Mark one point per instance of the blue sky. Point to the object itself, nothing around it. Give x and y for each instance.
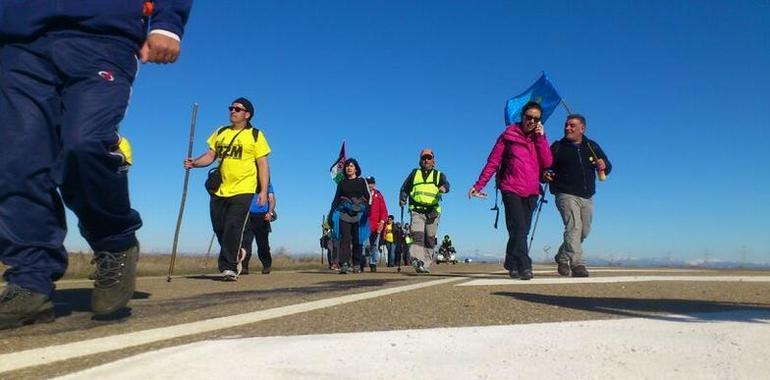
(673, 91)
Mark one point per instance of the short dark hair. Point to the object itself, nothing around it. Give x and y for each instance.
(577, 116)
(391, 217)
(530, 105)
(355, 163)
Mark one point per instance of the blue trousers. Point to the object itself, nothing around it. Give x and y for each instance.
(62, 97)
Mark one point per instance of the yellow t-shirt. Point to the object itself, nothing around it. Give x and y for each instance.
(389, 233)
(239, 168)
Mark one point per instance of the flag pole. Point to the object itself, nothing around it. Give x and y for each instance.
(566, 106)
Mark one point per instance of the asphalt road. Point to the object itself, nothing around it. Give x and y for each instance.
(405, 301)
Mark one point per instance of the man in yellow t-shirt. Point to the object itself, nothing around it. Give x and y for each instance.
(237, 147)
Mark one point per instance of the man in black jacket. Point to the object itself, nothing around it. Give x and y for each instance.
(576, 161)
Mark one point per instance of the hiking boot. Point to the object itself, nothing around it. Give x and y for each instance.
(357, 269)
(344, 268)
(513, 273)
(115, 280)
(526, 274)
(579, 271)
(265, 270)
(228, 275)
(563, 269)
(562, 264)
(21, 306)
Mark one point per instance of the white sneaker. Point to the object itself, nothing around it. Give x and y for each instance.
(229, 275)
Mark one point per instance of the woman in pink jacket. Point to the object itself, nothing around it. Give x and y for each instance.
(519, 156)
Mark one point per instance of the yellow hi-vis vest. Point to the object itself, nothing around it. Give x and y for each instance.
(425, 194)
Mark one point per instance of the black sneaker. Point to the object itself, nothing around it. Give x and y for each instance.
(344, 268)
(265, 270)
(372, 268)
(579, 271)
(526, 274)
(513, 273)
(115, 280)
(244, 271)
(21, 306)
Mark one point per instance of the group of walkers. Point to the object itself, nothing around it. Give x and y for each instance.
(65, 81)
(358, 217)
(394, 239)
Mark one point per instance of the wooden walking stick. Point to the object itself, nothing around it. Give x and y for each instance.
(184, 193)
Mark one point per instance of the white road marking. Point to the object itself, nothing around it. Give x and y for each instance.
(719, 345)
(614, 279)
(47, 355)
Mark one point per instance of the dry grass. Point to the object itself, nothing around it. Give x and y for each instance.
(157, 265)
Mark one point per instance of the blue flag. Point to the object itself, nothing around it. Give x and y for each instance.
(542, 92)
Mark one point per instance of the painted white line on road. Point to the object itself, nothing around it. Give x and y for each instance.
(614, 279)
(720, 345)
(46, 355)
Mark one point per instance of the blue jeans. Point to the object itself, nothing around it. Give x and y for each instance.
(374, 252)
(391, 254)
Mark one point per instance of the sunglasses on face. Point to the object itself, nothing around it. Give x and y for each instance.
(426, 157)
(535, 119)
(236, 109)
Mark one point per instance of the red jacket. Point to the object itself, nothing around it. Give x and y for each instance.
(379, 210)
(527, 156)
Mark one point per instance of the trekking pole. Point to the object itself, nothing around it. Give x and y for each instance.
(208, 252)
(184, 193)
(323, 219)
(537, 217)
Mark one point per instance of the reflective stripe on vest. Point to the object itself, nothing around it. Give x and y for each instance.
(425, 192)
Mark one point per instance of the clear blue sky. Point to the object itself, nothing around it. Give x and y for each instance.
(673, 91)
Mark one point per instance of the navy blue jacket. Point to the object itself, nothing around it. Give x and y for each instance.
(24, 20)
(575, 172)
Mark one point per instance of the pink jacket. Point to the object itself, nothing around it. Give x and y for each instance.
(379, 210)
(525, 159)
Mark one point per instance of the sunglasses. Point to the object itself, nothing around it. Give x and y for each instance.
(535, 119)
(426, 157)
(236, 109)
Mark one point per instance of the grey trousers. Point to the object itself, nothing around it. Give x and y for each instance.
(424, 235)
(576, 213)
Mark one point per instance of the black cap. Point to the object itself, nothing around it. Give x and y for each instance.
(246, 103)
(370, 180)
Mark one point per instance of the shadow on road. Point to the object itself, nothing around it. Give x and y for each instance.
(67, 301)
(652, 308)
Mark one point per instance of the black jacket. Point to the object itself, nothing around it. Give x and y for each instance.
(574, 168)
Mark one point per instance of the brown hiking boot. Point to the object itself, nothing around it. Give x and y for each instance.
(579, 271)
(21, 306)
(115, 280)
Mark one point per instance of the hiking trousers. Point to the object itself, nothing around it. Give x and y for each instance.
(351, 248)
(518, 218)
(228, 218)
(257, 229)
(62, 96)
(424, 234)
(577, 214)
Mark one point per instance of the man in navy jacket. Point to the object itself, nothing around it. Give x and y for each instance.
(576, 160)
(66, 70)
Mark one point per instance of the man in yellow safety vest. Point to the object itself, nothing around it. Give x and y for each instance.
(423, 188)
